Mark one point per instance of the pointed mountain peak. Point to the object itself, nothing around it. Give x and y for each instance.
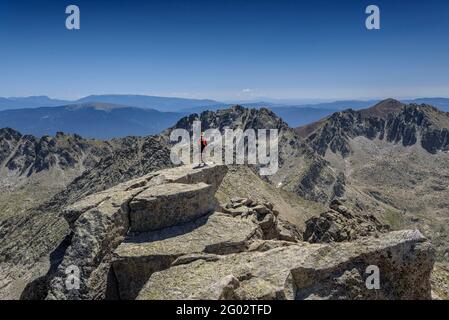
(383, 109)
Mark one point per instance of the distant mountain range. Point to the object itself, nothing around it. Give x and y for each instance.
(111, 116)
(30, 102)
(92, 120)
(173, 104)
(164, 104)
(300, 115)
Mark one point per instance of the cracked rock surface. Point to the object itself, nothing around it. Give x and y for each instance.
(164, 236)
(304, 271)
(101, 221)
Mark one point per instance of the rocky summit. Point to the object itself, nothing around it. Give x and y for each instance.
(128, 245)
(355, 191)
(100, 223)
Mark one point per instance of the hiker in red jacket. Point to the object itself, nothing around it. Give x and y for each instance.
(203, 144)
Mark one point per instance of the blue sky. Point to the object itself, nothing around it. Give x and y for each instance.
(227, 50)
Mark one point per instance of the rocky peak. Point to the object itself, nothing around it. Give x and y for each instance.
(242, 118)
(237, 108)
(31, 155)
(390, 120)
(335, 132)
(9, 139)
(234, 117)
(383, 109)
(423, 121)
(9, 134)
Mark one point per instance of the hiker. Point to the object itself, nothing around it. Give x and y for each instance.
(203, 144)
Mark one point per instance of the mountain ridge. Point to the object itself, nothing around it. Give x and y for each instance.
(381, 177)
(393, 158)
(390, 119)
(192, 105)
(91, 120)
(167, 104)
(140, 117)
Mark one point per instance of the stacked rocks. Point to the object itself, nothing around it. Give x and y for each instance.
(264, 214)
(339, 224)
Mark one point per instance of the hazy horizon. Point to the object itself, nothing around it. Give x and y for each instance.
(276, 100)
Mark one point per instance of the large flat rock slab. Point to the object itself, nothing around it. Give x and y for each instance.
(189, 174)
(121, 193)
(140, 256)
(169, 205)
(99, 223)
(212, 175)
(305, 271)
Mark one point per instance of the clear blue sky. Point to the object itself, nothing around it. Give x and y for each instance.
(225, 49)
